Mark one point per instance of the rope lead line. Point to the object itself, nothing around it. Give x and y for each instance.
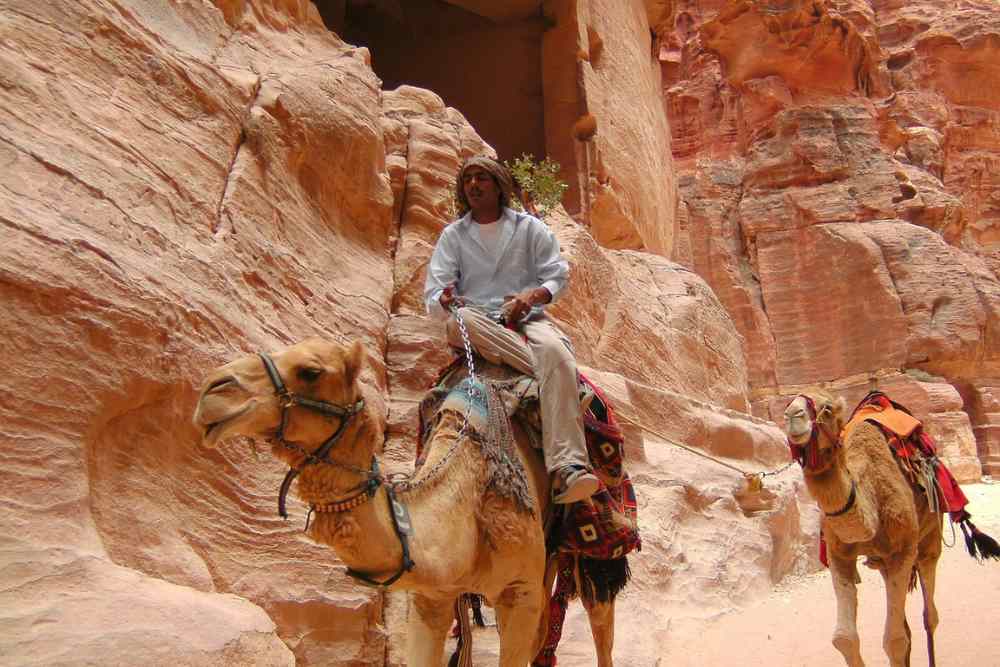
(748, 475)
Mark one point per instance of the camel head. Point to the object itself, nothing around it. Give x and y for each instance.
(813, 421)
(240, 398)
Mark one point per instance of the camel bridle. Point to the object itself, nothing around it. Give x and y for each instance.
(288, 400)
(373, 478)
(808, 455)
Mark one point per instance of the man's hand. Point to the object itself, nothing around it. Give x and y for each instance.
(517, 306)
(448, 299)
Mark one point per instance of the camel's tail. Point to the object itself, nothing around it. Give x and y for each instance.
(980, 545)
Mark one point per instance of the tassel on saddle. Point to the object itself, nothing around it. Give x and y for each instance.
(979, 545)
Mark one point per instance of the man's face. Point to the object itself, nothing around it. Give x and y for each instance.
(479, 187)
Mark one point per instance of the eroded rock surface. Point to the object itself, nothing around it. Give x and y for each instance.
(188, 182)
(832, 161)
(182, 183)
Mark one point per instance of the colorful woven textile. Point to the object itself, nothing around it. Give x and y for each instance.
(564, 592)
(594, 538)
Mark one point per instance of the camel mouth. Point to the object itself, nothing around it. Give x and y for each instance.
(214, 432)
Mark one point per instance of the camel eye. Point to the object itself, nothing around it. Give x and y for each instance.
(309, 374)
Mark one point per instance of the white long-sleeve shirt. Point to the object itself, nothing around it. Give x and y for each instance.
(525, 256)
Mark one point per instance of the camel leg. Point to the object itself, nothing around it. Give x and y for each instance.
(896, 639)
(844, 573)
(427, 630)
(519, 613)
(927, 569)
(602, 626)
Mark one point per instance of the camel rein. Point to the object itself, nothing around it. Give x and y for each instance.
(373, 478)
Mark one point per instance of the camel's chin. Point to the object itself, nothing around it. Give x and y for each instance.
(799, 438)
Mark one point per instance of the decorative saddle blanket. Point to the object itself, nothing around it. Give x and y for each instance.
(606, 529)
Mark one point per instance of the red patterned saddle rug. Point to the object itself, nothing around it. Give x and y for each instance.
(915, 450)
(591, 541)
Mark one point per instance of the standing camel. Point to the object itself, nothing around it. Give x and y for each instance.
(441, 534)
(872, 509)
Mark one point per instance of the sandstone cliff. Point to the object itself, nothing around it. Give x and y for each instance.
(835, 165)
(184, 182)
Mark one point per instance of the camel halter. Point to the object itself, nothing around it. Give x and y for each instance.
(288, 400)
(400, 516)
(808, 454)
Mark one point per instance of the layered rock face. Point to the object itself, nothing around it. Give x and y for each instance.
(185, 183)
(835, 166)
(602, 94)
(182, 183)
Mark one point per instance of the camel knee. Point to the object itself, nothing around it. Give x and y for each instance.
(849, 646)
(930, 620)
(602, 627)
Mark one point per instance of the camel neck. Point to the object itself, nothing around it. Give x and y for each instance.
(351, 459)
(831, 488)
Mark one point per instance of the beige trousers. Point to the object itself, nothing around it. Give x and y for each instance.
(548, 356)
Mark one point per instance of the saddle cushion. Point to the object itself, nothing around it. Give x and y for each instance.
(603, 529)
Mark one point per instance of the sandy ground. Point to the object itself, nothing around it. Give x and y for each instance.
(792, 626)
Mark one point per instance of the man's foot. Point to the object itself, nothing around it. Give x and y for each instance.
(577, 484)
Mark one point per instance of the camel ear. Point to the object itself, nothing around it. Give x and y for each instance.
(353, 360)
(840, 407)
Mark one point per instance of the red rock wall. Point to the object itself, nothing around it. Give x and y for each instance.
(184, 183)
(834, 160)
(597, 59)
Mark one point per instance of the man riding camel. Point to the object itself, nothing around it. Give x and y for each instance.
(500, 268)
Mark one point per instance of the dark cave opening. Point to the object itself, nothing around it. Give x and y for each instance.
(489, 68)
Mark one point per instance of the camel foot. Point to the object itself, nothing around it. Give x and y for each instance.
(850, 649)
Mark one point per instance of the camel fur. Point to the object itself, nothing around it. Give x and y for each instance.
(890, 523)
(466, 539)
